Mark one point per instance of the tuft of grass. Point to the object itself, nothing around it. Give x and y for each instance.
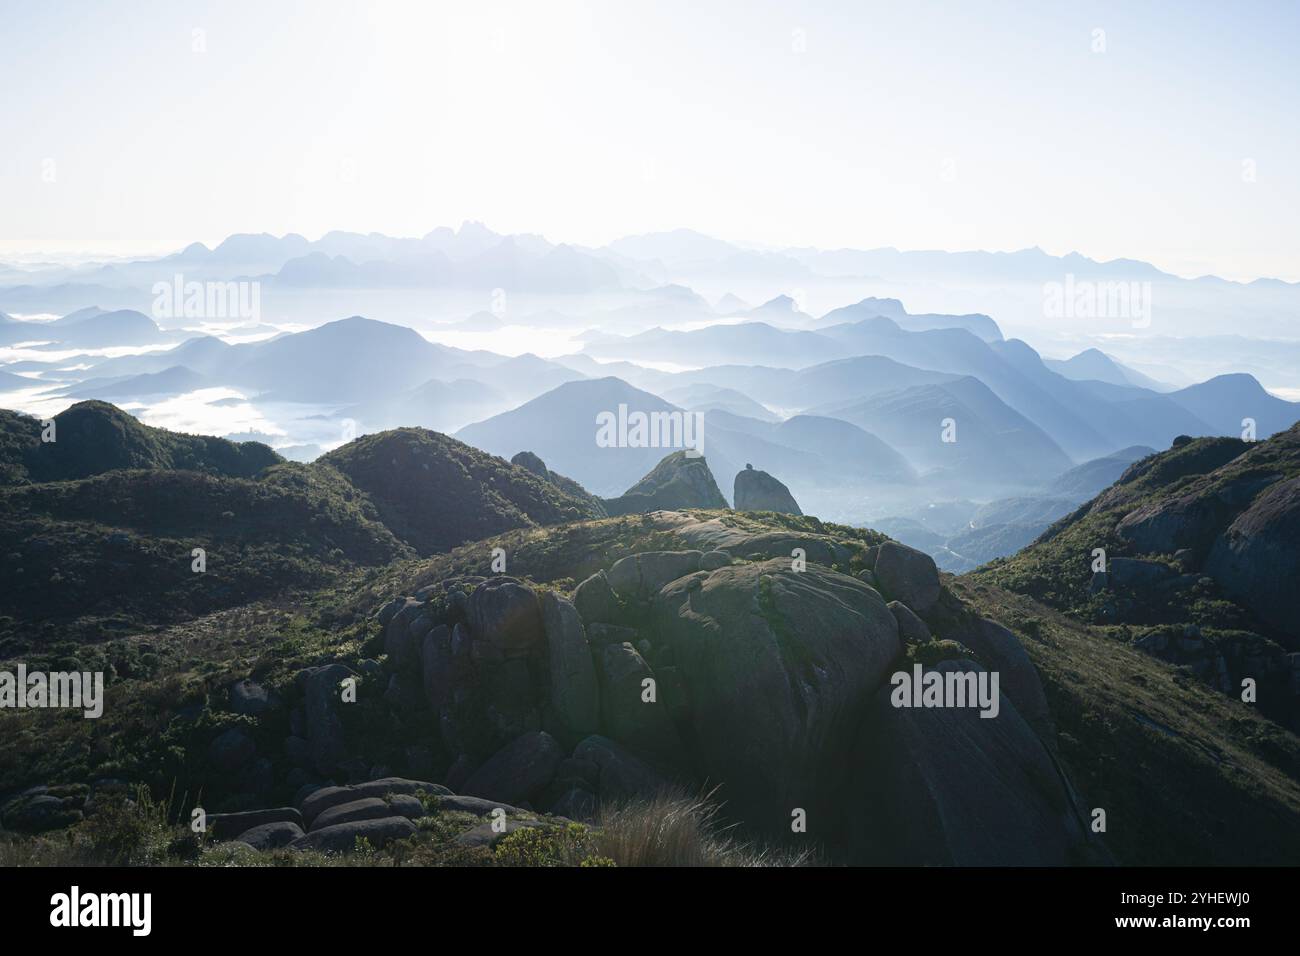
(677, 829)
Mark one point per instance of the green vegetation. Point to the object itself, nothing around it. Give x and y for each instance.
(1056, 569)
(98, 528)
(94, 437)
(132, 829)
(300, 559)
(1187, 776)
(435, 492)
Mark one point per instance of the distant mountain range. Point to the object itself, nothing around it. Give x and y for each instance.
(474, 257)
(955, 433)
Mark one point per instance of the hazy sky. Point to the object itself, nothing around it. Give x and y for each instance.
(950, 125)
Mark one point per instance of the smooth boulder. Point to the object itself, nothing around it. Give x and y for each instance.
(758, 491)
(575, 696)
(519, 770)
(270, 836)
(943, 786)
(907, 575)
(775, 664)
(506, 612)
(342, 838)
(227, 826)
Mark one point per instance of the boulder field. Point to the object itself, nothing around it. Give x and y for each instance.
(741, 671)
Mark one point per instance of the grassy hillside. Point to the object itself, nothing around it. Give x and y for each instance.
(1186, 776)
(81, 560)
(96, 574)
(97, 528)
(91, 438)
(1056, 568)
(166, 690)
(434, 492)
(1164, 592)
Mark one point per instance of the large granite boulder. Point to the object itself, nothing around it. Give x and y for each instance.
(343, 837)
(228, 826)
(596, 601)
(325, 739)
(680, 480)
(908, 575)
(776, 665)
(404, 633)
(758, 491)
(627, 714)
(620, 774)
(505, 612)
(942, 786)
(638, 577)
(575, 696)
(1257, 559)
(321, 799)
(518, 771)
(367, 808)
(1000, 650)
(269, 836)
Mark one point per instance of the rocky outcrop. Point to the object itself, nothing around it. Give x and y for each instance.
(944, 786)
(638, 577)
(322, 799)
(1225, 659)
(531, 462)
(1257, 559)
(596, 601)
(911, 629)
(714, 533)
(1000, 650)
(575, 696)
(270, 836)
(739, 669)
(323, 691)
(759, 491)
(776, 665)
(506, 613)
(631, 708)
(367, 808)
(620, 774)
(519, 771)
(228, 826)
(907, 575)
(343, 837)
(680, 480)
(1170, 524)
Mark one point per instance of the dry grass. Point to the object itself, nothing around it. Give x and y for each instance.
(676, 829)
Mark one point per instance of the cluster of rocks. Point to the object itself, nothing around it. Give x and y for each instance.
(1240, 532)
(766, 678)
(1225, 660)
(1222, 535)
(761, 678)
(332, 819)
